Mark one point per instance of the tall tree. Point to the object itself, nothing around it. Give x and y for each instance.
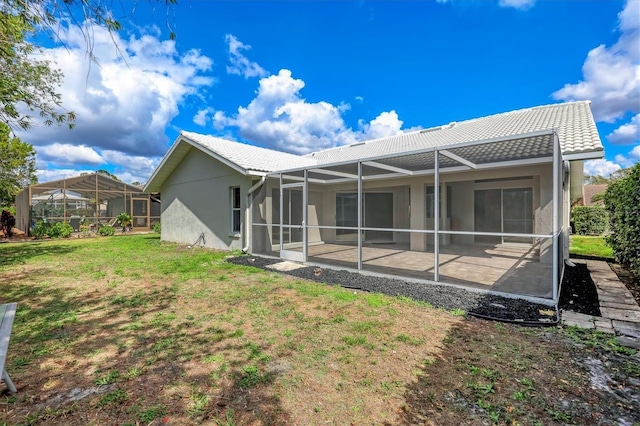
(29, 85)
(17, 165)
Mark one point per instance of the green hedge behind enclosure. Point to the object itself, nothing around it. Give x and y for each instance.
(622, 200)
(590, 220)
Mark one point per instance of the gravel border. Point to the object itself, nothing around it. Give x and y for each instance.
(440, 296)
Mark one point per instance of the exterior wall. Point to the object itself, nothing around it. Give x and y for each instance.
(196, 200)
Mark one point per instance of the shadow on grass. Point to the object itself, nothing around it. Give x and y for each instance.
(13, 254)
(63, 344)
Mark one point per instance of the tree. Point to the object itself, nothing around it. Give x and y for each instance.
(17, 166)
(595, 180)
(29, 85)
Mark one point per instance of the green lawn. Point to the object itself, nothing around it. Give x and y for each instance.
(583, 245)
(128, 330)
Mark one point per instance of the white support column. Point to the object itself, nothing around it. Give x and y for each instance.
(359, 216)
(436, 216)
(305, 213)
(556, 193)
(281, 212)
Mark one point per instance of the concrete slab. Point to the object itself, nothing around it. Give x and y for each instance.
(604, 297)
(603, 322)
(608, 330)
(621, 314)
(629, 342)
(625, 328)
(575, 319)
(629, 307)
(286, 266)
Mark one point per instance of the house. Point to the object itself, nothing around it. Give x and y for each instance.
(481, 203)
(591, 191)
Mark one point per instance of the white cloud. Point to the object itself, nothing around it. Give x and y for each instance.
(385, 124)
(280, 118)
(130, 168)
(600, 167)
(517, 4)
(240, 64)
(630, 159)
(612, 74)
(125, 102)
(66, 155)
(627, 133)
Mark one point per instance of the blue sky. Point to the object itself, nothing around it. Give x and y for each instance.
(302, 76)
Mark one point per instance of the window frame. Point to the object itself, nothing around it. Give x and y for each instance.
(235, 199)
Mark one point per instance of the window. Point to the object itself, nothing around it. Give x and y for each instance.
(235, 209)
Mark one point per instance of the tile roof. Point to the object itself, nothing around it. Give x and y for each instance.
(574, 122)
(249, 157)
(589, 191)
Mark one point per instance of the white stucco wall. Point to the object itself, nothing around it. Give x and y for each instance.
(196, 199)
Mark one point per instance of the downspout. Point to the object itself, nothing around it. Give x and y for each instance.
(248, 216)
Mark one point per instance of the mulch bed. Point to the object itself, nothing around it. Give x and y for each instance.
(578, 292)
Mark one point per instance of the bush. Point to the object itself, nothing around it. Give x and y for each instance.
(157, 228)
(40, 230)
(591, 220)
(622, 200)
(106, 230)
(44, 229)
(60, 230)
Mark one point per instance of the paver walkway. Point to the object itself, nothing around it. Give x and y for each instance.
(620, 311)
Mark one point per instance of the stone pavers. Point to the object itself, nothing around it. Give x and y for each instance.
(620, 312)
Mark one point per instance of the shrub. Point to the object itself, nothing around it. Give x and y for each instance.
(40, 230)
(124, 219)
(60, 230)
(591, 220)
(106, 230)
(157, 228)
(622, 200)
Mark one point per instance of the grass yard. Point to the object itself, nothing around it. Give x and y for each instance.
(127, 330)
(594, 246)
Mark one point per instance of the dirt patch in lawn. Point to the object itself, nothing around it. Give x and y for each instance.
(493, 373)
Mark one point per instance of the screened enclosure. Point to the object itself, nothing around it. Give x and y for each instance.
(485, 215)
(91, 200)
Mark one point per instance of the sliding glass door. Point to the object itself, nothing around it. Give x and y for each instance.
(503, 210)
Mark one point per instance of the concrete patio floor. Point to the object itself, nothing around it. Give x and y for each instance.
(508, 268)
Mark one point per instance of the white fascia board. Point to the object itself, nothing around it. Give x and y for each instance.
(458, 158)
(593, 155)
(162, 163)
(387, 167)
(333, 173)
(290, 177)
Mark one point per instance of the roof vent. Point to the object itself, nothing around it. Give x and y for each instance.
(453, 123)
(433, 129)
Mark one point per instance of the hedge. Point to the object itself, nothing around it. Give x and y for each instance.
(622, 200)
(590, 220)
